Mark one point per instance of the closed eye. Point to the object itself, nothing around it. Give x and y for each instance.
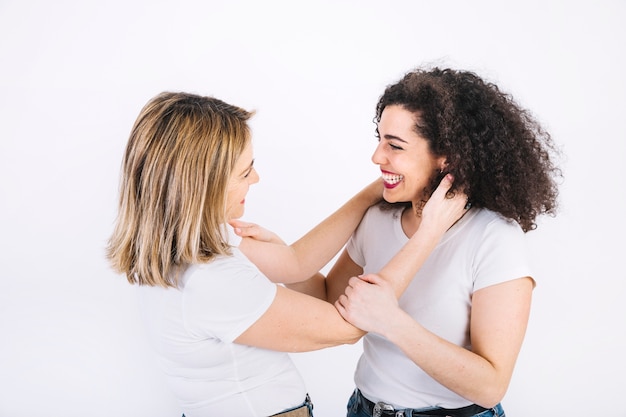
(249, 170)
(390, 144)
(394, 142)
(389, 139)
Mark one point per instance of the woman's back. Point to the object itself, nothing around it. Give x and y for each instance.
(192, 328)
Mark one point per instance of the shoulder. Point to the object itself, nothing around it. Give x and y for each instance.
(489, 221)
(484, 233)
(225, 270)
(500, 251)
(493, 236)
(378, 218)
(381, 213)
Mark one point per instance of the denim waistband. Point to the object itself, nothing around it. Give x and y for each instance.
(304, 410)
(380, 409)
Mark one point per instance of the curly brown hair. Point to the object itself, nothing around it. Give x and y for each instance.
(499, 154)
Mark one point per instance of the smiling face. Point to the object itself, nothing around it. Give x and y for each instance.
(242, 177)
(404, 157)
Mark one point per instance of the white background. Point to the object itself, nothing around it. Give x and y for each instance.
(74, 75)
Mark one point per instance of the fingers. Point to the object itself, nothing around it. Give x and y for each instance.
(242, 228)
(444, 185)
(252, 230)
(358, 287)
(239, 223)
(247, 231)
(369, 278)
(447, 181)
(441, 202)
(339, 305)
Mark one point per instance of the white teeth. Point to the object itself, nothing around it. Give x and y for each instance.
(392, 179)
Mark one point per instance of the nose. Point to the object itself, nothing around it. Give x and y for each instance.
(253, 178)
(378, 156)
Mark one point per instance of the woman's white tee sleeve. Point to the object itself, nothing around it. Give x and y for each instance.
(223, 298)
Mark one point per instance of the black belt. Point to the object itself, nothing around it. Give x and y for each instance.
(382, 409)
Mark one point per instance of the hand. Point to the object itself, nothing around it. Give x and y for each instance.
(254, 231)
(368, 303)
(441, 211)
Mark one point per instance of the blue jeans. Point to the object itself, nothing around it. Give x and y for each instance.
(307, 402)
(355, 409)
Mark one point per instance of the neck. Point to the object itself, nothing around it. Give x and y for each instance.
(411, 219)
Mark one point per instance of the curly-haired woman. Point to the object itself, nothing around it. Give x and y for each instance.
(449, 345)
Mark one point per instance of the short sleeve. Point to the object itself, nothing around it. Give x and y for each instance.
(223, 298)
(354, 250)
(502, 255)
(355, 244)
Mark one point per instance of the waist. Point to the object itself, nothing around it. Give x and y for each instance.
(304, 410)
(381, 409)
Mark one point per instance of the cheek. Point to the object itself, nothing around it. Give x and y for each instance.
(242, 191)
(420, 176)
(234, 195)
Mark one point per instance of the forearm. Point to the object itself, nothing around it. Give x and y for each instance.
(304, 258)
(316, 248)
(458, 369)
(314, 286)
(338, 276)
(439, 214)
(401, 269)
(299, 323)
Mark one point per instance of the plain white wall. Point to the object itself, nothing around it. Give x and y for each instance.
(74, 75)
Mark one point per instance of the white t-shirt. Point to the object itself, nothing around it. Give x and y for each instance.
(480, 250)
(193, 328)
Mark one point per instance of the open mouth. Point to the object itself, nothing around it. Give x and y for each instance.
(391, 180)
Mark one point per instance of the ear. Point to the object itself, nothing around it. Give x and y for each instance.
(442, 163)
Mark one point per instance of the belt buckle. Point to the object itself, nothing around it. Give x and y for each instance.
(380, 407)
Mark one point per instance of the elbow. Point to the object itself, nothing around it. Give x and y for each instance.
(355, 336)
(318, 344)
(354, 339)
(491, 396)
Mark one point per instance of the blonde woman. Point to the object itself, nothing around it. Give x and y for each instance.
(221, 325)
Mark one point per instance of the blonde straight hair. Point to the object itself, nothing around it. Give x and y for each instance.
(175, 173)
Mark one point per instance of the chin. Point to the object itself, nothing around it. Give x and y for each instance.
(396, 199)
(237, 215)
(391, 198)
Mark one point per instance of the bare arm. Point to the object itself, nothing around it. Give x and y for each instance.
(438, 215)
(337, 278)
(296, 322)
(498, 324)
(305, 257)
(314, 286)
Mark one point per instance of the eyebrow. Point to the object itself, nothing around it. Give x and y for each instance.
(393, 137)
